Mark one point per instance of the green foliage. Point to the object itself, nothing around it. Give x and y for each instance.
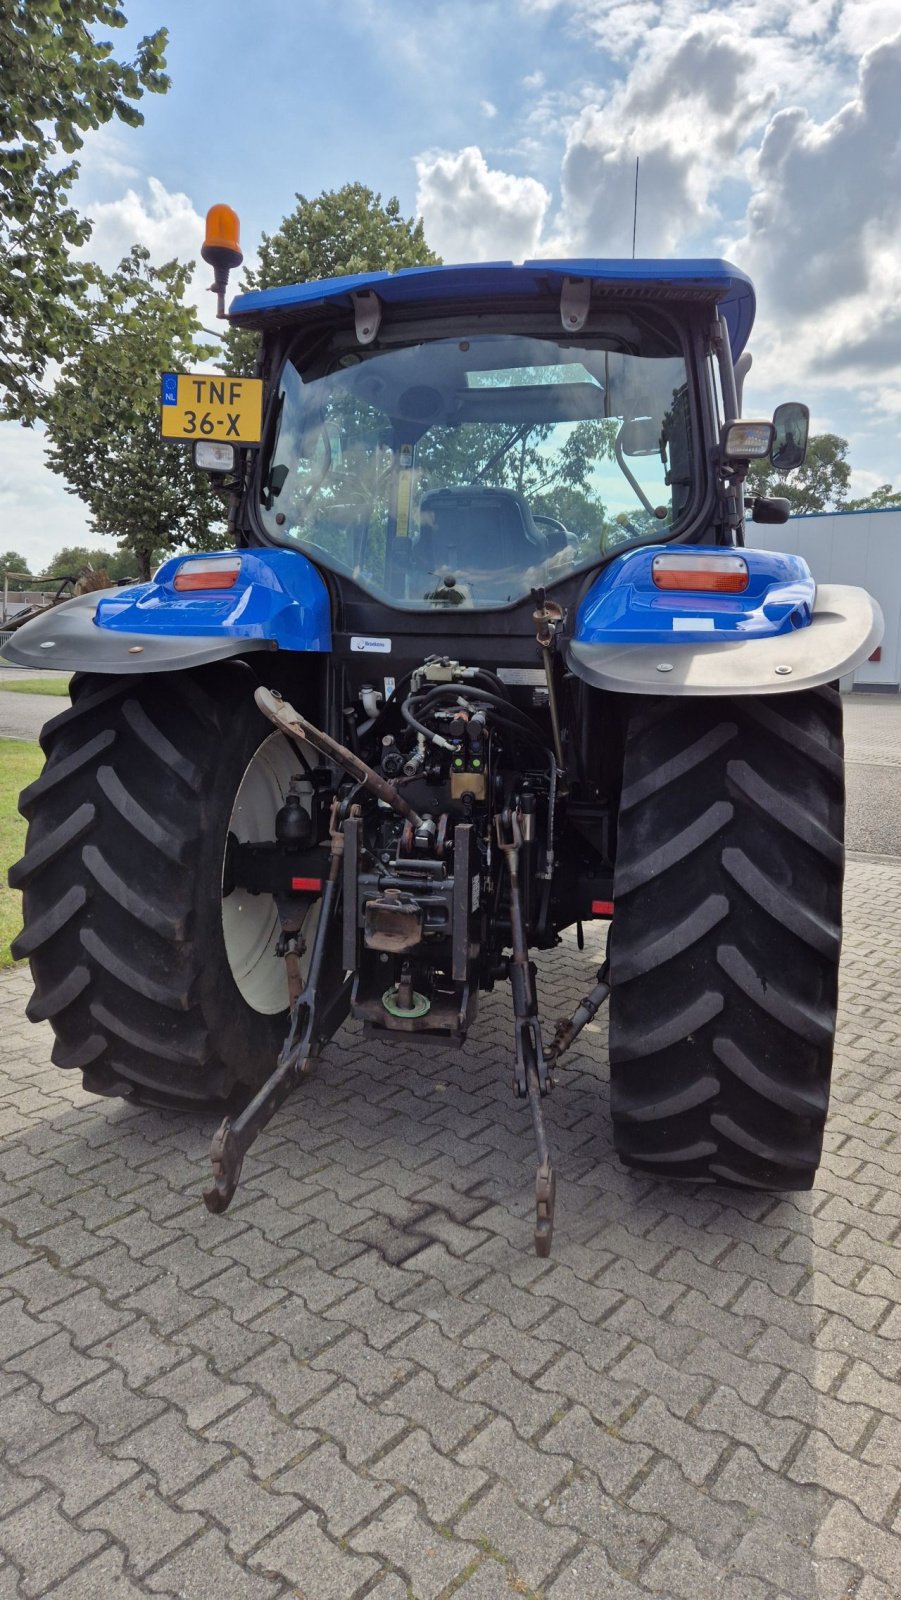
(341, 231)
(821, 484)
(11, 561)
(881, 499)
(20, 766)
(76, 558)
(58, 82)
(103, 419)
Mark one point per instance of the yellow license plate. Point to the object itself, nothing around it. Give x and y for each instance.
(198, 405)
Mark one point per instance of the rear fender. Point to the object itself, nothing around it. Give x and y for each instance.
(782, 634)
(279, 601)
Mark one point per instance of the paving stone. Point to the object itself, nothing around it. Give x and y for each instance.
(694, 1452)
(871, 1489)
(288, 1383)
(373, 1373)
(668, 1323)
(681, 1573)
(534, 1549)
(590, 1573)
(359, 1431)
(268, 1442)
(768, 1554)
(40, 1285)
(110, 1407)
(76, 1466)
(304, 1555)
(324, 1481)
(223, 1340)
(140, 1352)
(139, 1519)
(173, 1453)
(206, 1571)
(20, 1332)
(102, 1578)
(628, 1537)
(443, 1357)
(43, 1544)
(489, 1581)
(771, 1440)
(615, 1459)
(529, 1472)
(399, 1535)
(441, 1484)
(571, 1378)
(198, 1392)
(248, 1512)
(28, 1424)
(450, 1420)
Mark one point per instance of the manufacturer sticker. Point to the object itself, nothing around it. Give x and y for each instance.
(378, 647)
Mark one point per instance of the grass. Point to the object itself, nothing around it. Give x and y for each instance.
(58, 685)
(21, 762)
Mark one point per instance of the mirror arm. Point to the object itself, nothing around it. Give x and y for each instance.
(621, 462)
(719, 335)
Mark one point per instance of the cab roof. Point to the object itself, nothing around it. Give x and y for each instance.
(716, 282)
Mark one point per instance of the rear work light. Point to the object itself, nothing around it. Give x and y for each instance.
(215, 572)
(711, 574)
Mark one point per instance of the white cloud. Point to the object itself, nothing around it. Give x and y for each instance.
(488, 108)
(473, 212)
(166, 222)
(37, 515)
(822, 234)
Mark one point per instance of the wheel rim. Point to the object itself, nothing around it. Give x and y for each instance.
(250, 922)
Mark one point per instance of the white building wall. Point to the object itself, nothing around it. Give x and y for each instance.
(859, 547)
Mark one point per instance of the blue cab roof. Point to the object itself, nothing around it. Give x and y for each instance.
(718, 280)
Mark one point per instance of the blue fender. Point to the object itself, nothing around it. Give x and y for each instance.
(625, 606)
(278, 601)
(781, 633)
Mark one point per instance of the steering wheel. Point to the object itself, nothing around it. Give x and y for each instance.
(550, 522)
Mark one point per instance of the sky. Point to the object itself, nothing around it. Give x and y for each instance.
(767, 132)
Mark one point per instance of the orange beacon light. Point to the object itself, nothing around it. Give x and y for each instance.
(222, 249)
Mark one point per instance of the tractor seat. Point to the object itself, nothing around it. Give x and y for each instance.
(476, 530)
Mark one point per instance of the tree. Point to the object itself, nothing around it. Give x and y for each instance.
(103, 420)
(341, 231)
(11, 561)
(821, 484)
(76, 558)
(881, 499)
(58, 81)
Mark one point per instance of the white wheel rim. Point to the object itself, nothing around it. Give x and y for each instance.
(250, 922)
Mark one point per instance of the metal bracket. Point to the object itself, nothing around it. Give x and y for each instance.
(575, 300)
(367, 314)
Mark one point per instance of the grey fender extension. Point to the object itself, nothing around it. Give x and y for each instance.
(847, 626)
(65, 636)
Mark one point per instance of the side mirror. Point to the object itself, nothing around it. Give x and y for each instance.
(640, 436)
(791, 423)
(772, 508)
(278, 477)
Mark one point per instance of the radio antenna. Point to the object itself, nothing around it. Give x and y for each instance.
(635, 209)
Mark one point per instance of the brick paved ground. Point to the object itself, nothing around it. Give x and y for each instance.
(362, 1382)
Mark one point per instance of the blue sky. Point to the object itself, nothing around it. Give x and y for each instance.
(767, 131)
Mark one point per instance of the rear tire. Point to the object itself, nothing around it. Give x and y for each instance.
(122, 887)
(726, 936)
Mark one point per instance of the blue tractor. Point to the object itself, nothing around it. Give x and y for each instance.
(489, 658)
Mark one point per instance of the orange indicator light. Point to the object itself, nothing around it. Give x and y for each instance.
(212, 574)
(716, 575)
